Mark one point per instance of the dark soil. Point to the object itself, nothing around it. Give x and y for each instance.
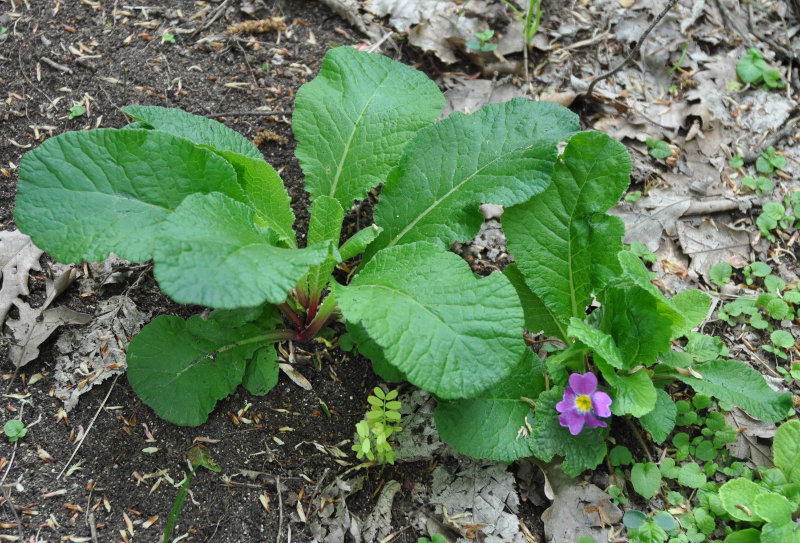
(121, 484)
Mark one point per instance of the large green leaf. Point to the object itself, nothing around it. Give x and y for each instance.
(786, 450)
(631, 315)
(214, 253)
(354, 119)
(265, 193)
(262, 184)
(502, 154)
(601, 343)
(548, 438)
(195, 128)
(557, 236)
(82, 195)
(182, 368)
(738, 384)
(450, 332)
(738, 498)
(261, 373)
(495, 424)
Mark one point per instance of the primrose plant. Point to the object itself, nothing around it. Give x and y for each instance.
(198, 199)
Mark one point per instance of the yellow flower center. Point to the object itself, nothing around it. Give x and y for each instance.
(583, 403)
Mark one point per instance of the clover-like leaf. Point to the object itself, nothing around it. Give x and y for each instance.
(503, 435)
(450, 332)
(210, 240)
(558, 235)
(182, 368)
(354, 119)
(501, 154)
(82, 195)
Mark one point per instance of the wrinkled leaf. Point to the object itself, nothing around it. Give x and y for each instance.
(131, 180)
(505, 437)
(552, 235)
(455, 337)
(341, 119)
(211, 241)
(502, 154)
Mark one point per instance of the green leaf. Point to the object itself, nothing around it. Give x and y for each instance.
(195, 128)
(631, 315)
(552, 235)
(694, 305)
(750, 535)
(773, 508)
(786, 450)
(373, 351)
(354, 119)
(735, 383)
(649, 532)
(503, 435)
(182, 368)
(646, 479)
(634, 519)
(207, 244)
(691, 475)
(538, 316)
(265, 193)
(14, 430)
(261, 372)
(455, 337)
(780, 533)
(131, 180)
(620, 456)
(501, 154)
(598, 341)
(200, 456)
(738, 498)
(661, 420)
(358, 243)
(548, 439)
(782, 339)
(324, 226)
(666, 521)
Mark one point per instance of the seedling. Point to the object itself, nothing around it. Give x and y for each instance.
(375, 431)
(3, 30)
(759, 185)
(530, 19)
(752, 68)
(633, 197)
(736, 161)
(77, 110)
(14, 430)
(769, 161)
(481, 41)
(435, 538)
(781, 341)
(658, 148)
(720, 273)
(168, 37)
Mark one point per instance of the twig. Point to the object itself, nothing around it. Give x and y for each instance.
(280, 507)
(246, 113)
(635, 49)
(772, 141)
(214, 17)
(7, 494)
(775, 46)
(93, 528)
(56, 66)
(88, 429)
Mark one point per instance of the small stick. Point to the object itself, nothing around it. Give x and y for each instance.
(280, 507)
(88, 429)
(56, 66)
(7, 494)
(635, 49)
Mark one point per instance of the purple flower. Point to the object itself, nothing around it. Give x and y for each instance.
(582, 404)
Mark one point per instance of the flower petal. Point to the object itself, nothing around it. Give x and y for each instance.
(594, 422)
(568, 402)
(572, 420)
(601, 403)
(583, 384)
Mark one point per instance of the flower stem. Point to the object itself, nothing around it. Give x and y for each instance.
(293, 317)
(270, 337)
(324, 314)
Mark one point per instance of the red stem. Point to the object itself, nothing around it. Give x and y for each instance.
(290, 314)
